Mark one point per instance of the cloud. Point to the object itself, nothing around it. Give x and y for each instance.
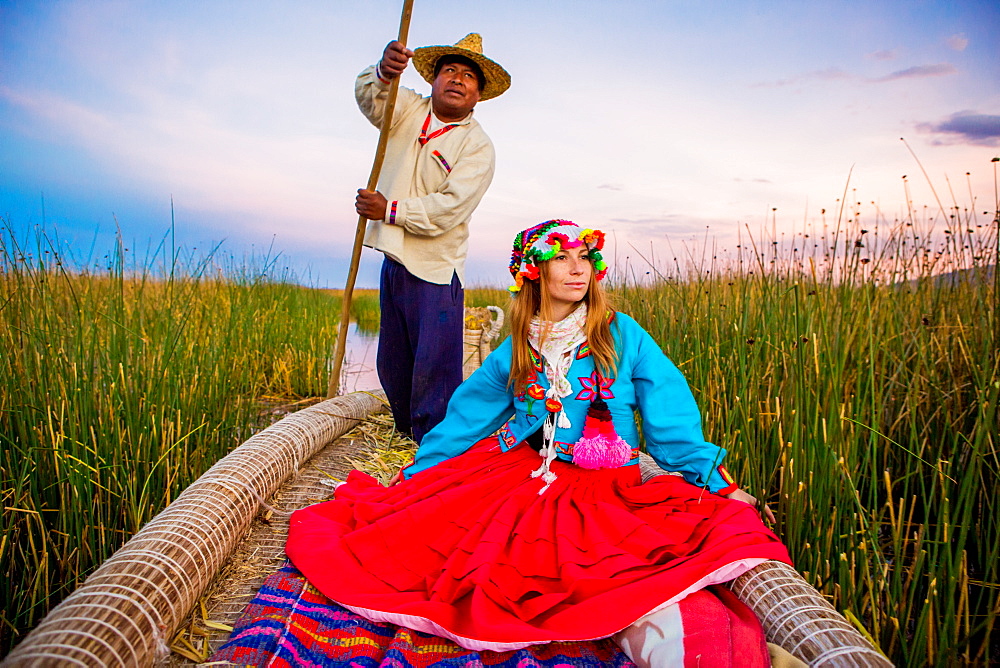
(919, 72)
(958, 42)
(63, 116)
(966, 127)
(829, 74)
(645, 228)
(611, 186)
(656, 220)
(193, 152)
(834, 74)
(757, 180)
(885, 54)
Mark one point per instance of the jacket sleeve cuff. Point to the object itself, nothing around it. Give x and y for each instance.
(373, 76)
(730, 484)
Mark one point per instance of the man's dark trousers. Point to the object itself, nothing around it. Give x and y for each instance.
(419, 346)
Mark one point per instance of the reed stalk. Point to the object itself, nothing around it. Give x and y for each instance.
(851, 369)
(854, 378)
(123, 380)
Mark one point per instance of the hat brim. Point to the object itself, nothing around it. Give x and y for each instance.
(497, 78)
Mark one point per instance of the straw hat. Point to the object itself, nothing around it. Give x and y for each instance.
(470, 46)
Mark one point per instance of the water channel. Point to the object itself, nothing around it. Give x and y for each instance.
(358, 371)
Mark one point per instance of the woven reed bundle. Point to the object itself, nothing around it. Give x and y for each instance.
(123, 613)
(263, 549)
(795, 616)
(482, 324)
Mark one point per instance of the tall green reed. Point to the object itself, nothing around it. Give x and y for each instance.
(852, 370)
(124, 381)
(365, 312)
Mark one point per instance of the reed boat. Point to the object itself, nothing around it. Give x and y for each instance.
(172, 593)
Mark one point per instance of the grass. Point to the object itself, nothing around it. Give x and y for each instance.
(855, 388)
(364, 309)
(123, 382)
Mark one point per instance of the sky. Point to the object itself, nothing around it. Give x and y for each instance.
(664, 123)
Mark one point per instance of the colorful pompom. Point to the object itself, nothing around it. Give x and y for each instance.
(600, 447)
(542, 242)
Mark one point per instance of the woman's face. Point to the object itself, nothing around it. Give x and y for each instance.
(568, 278)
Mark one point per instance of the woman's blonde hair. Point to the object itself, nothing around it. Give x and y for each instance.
(533, 300)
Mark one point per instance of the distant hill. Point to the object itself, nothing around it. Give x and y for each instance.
(982, 275)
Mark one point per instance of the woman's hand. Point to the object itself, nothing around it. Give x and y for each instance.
(397, 478)
(745, 497)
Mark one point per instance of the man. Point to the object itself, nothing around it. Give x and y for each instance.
(438, 165)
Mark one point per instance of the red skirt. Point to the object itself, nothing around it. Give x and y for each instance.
(469, 549)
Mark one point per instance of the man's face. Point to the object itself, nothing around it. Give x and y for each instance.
(454, 92)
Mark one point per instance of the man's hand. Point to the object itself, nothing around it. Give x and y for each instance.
(745, 497)
(394, 59)
(370, 204)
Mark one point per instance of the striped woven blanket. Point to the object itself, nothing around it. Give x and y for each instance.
(289, 623)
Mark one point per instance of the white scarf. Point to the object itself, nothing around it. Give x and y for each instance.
(562, 339)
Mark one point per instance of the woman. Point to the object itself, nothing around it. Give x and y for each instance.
(543, 532)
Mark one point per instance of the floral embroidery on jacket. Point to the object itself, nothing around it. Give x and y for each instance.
(536, 359)
(507, 436)
(532, 379)
(594, 384)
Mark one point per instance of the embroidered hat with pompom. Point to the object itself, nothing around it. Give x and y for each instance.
(541, 243)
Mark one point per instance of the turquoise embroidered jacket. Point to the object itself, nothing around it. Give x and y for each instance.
(646, 380)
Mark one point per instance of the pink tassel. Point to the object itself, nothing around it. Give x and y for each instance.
(600, 447)
(601, 452)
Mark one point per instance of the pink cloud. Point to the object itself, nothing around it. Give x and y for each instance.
(919, 72)
(957, 42)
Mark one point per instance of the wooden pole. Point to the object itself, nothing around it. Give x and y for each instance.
(352, 275)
